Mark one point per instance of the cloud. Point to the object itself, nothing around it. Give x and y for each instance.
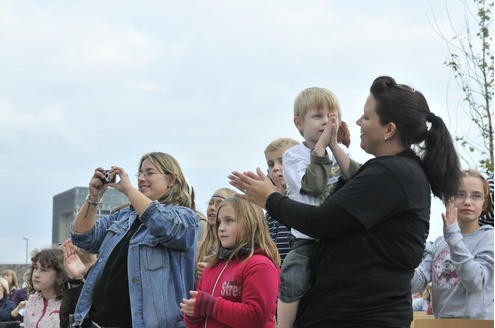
(74, 39)
(42, 121)
(107, 45)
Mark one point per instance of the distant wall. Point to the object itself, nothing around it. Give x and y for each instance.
(18, 268)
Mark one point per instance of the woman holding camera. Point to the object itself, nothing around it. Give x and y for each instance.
(145, 251)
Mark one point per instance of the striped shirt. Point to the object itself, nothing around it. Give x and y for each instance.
(487, 218)
(279, 234)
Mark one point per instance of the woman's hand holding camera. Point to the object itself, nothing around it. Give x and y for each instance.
(97, 186)
(124, 184)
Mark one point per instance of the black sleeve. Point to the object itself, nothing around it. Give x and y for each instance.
(368, 198)
(312, 220)
(68, 304)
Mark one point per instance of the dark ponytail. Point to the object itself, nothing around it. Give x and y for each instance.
(408, 109)
(440, 159)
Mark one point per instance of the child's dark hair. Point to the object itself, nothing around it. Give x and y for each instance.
(49, 258)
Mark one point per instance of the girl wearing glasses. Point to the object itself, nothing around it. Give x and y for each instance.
(146, 251)
(460, 263)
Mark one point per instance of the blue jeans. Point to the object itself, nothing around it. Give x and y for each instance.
(295, 272)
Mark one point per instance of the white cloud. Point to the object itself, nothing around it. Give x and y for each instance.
(107, 45)
(14, 122)
(95, 83)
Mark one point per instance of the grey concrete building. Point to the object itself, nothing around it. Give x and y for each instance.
(67, 203)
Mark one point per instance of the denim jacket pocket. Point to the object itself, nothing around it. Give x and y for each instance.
(119, 227)
(154, 256)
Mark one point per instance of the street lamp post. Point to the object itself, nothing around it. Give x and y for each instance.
(27, 247)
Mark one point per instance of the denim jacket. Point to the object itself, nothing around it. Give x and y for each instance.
(160, 261)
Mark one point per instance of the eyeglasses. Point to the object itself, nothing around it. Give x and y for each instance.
(475, 196)
(215, 201)
(148, 174)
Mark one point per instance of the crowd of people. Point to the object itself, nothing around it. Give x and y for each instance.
(339, 243)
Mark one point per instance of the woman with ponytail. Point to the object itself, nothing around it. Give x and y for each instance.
(372, 231)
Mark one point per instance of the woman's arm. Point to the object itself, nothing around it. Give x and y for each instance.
(172, 226)
(371, 196)
(86, 217)
(328, 220)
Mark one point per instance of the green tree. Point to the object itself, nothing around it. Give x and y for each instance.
(471, 62)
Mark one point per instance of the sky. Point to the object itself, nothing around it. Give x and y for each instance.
(91, 83)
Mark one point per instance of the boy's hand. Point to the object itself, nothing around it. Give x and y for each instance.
(329, 135)
(332, 128)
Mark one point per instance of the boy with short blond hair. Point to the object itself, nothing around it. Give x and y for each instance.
(273, 154)
(310, 175)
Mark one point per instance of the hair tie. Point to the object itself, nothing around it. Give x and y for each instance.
(430, 116)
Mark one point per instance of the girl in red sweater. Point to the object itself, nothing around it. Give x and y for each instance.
(240, 286)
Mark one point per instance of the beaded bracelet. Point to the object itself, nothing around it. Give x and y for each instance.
(90, 202)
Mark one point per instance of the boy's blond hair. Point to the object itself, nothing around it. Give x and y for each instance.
(280, 143)
(316, 98)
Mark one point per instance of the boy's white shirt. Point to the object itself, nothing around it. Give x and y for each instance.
(295, 161)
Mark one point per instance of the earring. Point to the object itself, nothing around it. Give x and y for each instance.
(385, 138)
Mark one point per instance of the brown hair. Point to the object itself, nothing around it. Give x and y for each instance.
(52, 258)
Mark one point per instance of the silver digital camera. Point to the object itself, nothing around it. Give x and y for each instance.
(108, 177)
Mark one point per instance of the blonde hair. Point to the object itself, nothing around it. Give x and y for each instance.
(178, 193)
(209, 241)
(280, 143)
(487, 204)
(4, 284)
(254, 230)
(316, 98)
(13, 276)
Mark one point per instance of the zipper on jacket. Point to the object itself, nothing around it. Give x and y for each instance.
(215, 286)
(45, 305)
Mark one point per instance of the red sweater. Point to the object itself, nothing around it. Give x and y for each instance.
(244, 296)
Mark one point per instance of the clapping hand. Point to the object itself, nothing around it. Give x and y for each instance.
(450, 215)
(74, 267)
(256, 187)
